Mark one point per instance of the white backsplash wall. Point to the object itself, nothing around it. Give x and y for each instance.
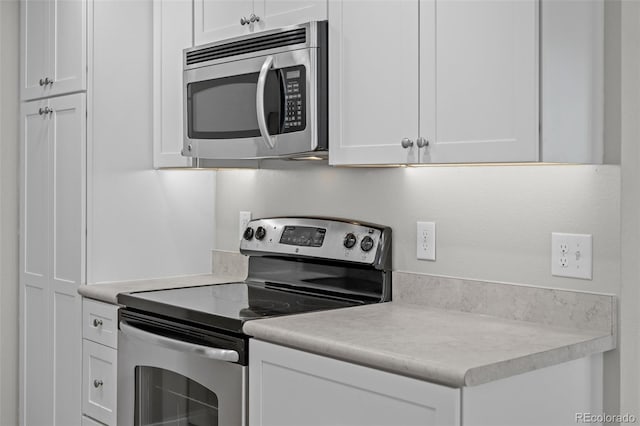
(493, 223)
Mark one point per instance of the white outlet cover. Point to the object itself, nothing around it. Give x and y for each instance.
(572, 255)
(426, 241)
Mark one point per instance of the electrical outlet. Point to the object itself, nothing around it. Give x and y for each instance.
(571, 255)
(243, 222)
(426, 241)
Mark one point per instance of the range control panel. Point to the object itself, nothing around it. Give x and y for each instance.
(314, 237)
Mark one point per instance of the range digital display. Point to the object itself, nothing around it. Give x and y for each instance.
(304, 236)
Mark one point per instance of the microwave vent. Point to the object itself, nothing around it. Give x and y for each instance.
(271, 41)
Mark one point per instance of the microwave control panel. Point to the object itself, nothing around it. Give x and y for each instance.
(295, 117)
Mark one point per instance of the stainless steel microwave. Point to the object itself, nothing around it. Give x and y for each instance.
(262, 95)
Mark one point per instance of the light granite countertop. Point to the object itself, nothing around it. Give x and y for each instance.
(227, 267)
(455, 332)
(108, 292)
(442, 346)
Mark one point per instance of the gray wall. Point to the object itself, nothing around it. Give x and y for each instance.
(9, 18)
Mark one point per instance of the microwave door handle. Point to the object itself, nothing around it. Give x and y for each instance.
(166, 342)
(262, 119)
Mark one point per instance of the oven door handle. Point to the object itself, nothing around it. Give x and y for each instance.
(262, 119)
(178, 345)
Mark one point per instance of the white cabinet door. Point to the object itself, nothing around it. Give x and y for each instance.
(35, 369)
(67, 178)
(219, 19)
(68, 46)
(52, 259)
(54, 47)
(288, 387)
(35, 47)
(373, 86)
(479, 80)
(281, 13)
(172, 32)
(99, 382)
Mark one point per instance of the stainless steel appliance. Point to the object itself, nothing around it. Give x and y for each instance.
(182, 355)
(262, 95)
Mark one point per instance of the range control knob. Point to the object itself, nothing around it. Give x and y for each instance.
(260, 233)
(248, 233)
(367, 243)
(350, 240)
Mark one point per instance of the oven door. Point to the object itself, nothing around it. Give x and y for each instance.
(166, 381)
(260, 107)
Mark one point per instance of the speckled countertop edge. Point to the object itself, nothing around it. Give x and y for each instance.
(461, 349)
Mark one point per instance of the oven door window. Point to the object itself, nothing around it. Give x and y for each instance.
(225, 108)
(167, 398)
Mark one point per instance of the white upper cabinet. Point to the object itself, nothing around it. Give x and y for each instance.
(440, 81)
(54, 47)
(172, 32)
(373, 86)
(479, 81)
(280, 13)
(219, 19)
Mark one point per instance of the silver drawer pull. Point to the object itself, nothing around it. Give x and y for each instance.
(97, 383)
(97, 322)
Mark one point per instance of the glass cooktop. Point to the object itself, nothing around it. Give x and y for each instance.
(228, 306)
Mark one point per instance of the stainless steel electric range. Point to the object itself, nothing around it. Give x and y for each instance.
(182, 355)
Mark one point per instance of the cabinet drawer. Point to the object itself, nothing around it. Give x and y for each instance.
(88, 421)
(100, 322)
(99, 382)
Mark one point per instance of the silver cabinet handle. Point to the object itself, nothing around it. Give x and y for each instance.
(262, 119)
(244, 21)
(422, 142)
(406, 143)
(178, 345)
(97, 383)
(97, 322)
(254, 18)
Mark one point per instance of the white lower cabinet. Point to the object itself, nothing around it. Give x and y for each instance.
(289, 387)
(99, 362)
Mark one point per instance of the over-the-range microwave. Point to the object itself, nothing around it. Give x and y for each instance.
(262, 95)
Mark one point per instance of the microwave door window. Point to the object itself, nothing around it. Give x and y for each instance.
(225, 108)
